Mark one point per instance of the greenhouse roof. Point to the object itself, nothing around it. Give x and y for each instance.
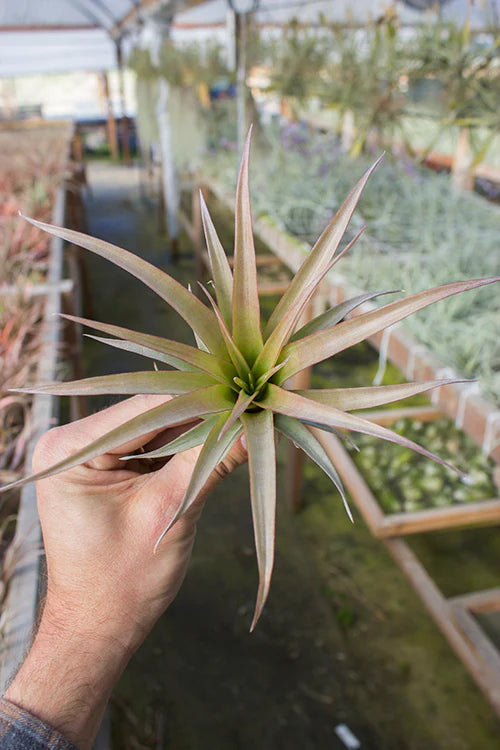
(67, 35)
(483, 14)
(55, 36)
(111, 15)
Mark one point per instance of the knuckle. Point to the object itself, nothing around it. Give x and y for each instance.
(223, 469)
(236, 457)
(46, 449)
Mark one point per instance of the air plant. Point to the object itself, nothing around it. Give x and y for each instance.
(419, 233)
(239, 379)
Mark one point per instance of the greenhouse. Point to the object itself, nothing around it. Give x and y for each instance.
(249, 266)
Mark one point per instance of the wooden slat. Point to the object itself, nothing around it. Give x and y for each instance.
(399, 524)
(352, 479)
(261, 260)
(487, 679)
(479, 641)
(273, 287)
(483, 672)
(433, 519)
(36, 290)
(389, 416)
(295, 463)
(481, 602)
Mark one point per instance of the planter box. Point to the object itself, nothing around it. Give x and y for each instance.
(25, 588)
(472, 413)
(23, 554)
(461, 402)
(23, 595)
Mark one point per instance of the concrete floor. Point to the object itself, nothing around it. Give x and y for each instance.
(343, 640)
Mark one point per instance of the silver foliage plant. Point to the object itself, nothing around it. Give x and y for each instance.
(239, 379)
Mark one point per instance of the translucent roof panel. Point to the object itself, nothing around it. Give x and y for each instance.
(57, 36)
(64, 13)
(32, 52)
(482, 13)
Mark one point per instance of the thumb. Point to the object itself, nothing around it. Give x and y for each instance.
(168, 485)
(236, 457)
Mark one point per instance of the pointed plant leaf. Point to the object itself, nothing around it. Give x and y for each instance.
(246, 309)
(127, 383)
(243, 402)
(322, 252)
(273, 346)
(284, 328)
(176, 411)
(293, 405)
(335, 314)
(268, 375)
(189, 439)
(210, 456)
(304, 439)
(221, 270)
(194, 312)
(199, 343)
(323, 344)
(349, 399)
(144, 351)
(259, 432)
(327, 428)
(235, 355)
(220, 369)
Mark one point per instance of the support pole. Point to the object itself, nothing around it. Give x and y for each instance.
(462, 176)
(110, 117)
(241, 74)
(124, 118)
(348, 130)
(197, 237)
(8, 97)
(170, 190)
(169, 177)
(294, 479)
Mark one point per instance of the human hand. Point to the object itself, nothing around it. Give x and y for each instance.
(105, 587)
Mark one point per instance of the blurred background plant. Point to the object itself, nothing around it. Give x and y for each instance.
(363, 82)
(31, 167)
(465, 73)
(419, 231)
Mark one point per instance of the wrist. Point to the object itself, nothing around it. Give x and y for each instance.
(68, 675)
(103, 627)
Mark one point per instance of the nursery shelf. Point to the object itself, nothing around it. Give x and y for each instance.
(23, 597)
(23, 556)
(453, 618)
(462, 402)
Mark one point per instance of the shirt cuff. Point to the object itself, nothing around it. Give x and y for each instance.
(20, 730)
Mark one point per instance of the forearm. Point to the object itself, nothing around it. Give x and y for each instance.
(106, 586)
(69, 674)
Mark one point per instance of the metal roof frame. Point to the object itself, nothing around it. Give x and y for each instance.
(115, 17)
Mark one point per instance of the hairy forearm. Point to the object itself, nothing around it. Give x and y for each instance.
(106, 586)
(69, 674)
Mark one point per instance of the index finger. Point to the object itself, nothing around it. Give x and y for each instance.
(78, 434)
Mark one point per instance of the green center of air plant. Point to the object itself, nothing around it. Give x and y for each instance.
(252, 385)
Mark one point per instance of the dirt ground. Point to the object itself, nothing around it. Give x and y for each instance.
(343, 639)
